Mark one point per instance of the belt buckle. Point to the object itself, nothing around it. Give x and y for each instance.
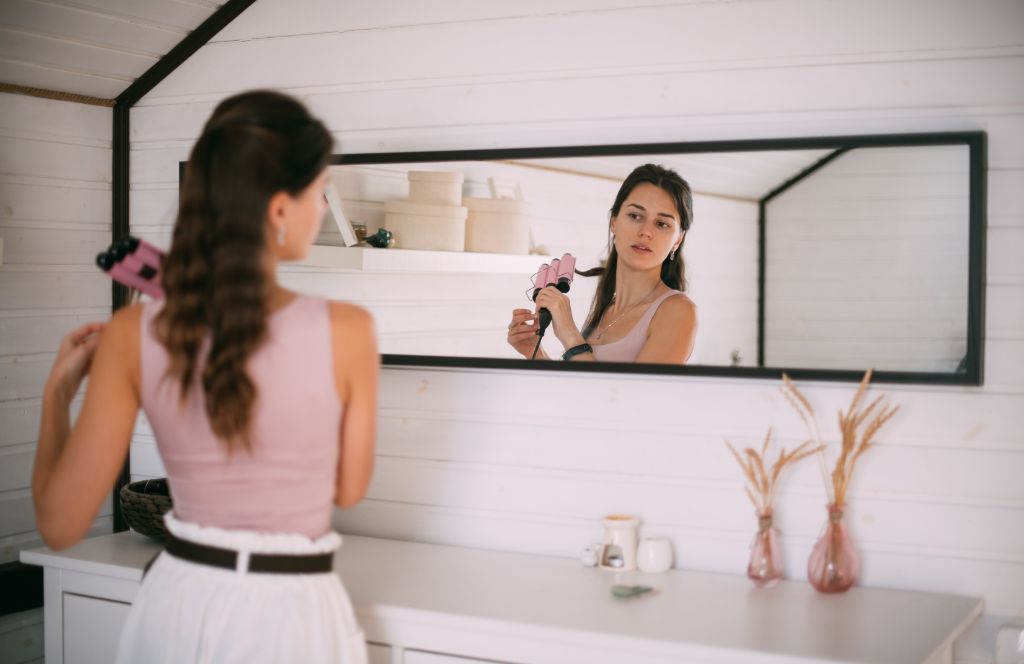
(242, 562)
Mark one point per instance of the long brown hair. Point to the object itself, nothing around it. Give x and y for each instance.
(673, 271)
(255, 145)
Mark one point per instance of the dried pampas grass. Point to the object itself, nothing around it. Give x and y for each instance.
(762, 483)
(855, 428)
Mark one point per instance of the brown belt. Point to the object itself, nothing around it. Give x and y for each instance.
(272, 563)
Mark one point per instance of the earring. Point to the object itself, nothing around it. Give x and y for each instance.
(280, 236)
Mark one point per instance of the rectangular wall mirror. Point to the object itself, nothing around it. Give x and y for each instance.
(820, 257)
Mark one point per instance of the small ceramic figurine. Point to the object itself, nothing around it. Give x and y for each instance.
(590, 554)
(382, 239)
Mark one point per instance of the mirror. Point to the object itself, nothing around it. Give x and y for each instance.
(820, 256)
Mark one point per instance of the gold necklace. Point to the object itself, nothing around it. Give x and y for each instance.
(607, 327)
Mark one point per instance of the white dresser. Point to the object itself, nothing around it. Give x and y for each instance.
(432, 604)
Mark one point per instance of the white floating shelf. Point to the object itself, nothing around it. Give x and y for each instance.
(371, 259)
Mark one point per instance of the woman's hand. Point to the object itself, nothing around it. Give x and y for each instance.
(74, 357)
(522, 333)
(557, 303)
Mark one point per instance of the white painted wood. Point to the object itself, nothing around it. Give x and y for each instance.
(54, 218)
(421, 657)
(59, 53)
(53, 608)
(57, 119)
(918, 198)
(527, 608)
(53, 247)
(34, 331)
(92, 47)
(179, 15)
(91, 84)
(92, 627)
(90, 27)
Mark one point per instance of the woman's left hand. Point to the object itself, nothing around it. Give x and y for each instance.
(557, 303)
(73, 360)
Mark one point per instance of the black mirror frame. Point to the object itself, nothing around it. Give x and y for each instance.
(973, 366)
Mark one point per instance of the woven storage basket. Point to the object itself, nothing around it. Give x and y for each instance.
(143, 505)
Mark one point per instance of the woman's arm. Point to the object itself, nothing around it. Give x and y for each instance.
(672, 332)
(356, 369)
(75, 468)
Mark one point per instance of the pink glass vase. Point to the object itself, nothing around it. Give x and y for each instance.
(834, 565)
(765, 568)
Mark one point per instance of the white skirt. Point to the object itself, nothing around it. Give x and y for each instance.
(189, 612)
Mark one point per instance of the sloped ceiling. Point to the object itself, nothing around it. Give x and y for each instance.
(747, 176)
(94, 48)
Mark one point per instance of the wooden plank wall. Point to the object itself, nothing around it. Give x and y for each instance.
(55, 166)
(529, 462)
(885, 231)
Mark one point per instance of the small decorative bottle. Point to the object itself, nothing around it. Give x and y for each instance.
(765, 567)
(834, 565)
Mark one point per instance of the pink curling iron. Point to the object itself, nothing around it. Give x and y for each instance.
(558, 274)
(134, 263)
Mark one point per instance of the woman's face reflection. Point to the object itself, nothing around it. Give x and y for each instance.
(647, 227)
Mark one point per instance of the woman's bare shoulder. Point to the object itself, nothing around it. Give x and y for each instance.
(350, 317)
(677, 305)
(126, 322)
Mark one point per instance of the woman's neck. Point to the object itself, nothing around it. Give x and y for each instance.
(277, 295)
(632, 287)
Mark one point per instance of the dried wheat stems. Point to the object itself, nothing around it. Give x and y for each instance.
(857, 427)
(761, 482)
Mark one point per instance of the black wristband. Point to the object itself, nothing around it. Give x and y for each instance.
(577, 350)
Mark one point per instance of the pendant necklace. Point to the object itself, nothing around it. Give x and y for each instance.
(607, 327)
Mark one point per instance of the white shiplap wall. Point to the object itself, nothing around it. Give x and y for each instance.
(885, 230)
(530, 461)
(55, 166)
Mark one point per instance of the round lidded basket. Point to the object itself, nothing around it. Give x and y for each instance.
(436, 187)
(143, 504)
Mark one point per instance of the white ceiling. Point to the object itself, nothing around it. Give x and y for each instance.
(95, 48)
(747, 176)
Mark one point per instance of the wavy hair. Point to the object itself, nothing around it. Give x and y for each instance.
(673, 270)
(255, 145)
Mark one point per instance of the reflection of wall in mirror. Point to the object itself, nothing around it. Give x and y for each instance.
(867, 263)
(466, 314)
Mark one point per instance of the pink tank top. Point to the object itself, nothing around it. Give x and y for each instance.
(628, 348)
(287, 483)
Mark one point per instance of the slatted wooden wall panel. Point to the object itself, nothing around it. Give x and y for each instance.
(885, 229)
(54, 218)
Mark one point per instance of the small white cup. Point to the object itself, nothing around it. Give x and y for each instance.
(654, 554)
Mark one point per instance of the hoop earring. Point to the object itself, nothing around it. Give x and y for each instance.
(280, 235)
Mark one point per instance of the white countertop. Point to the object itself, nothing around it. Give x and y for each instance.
(711, 616)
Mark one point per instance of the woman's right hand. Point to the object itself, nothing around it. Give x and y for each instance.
(522, 332)
(74, 358)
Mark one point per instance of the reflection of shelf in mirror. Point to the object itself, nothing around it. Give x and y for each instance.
(371, 259)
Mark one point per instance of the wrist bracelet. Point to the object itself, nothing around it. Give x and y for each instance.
(577, 350)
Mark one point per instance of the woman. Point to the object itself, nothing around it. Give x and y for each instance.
(639, 313)
(262, 402)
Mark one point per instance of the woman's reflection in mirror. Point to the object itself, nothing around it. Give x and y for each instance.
(640, 312)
